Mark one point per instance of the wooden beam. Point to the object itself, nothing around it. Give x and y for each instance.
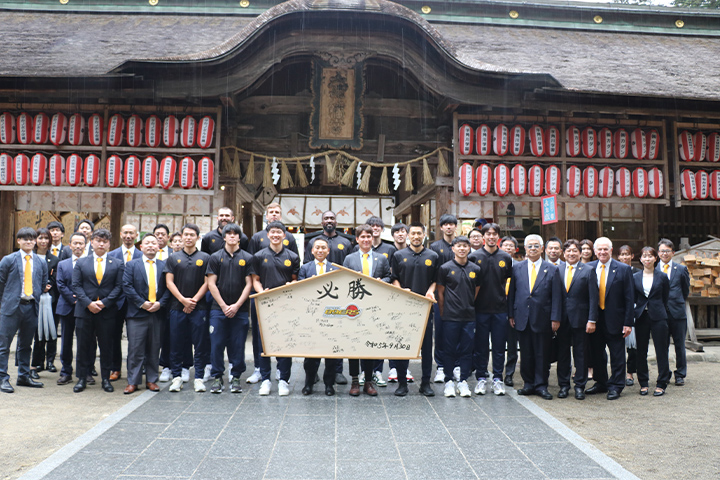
(117, 209)
(7, 212)
(423, 194)
(293, 105)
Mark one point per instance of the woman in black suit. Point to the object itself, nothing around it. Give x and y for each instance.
(652, 289)
(625, 255)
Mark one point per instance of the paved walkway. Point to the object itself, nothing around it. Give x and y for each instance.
(206, 436)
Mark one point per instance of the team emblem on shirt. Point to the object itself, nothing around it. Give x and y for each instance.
(471, 274)
(287, 263)
(441, 250)
(404, 259)
(198, 263)
(286, 242)
(501, 263)
(479, 261)
(241, 262)
(341, 247)
(212, 240)
(452, 272)
(179, 260)
(428, 262)
(265, 260)
(386, 256)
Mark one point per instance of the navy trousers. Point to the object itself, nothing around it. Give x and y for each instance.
(459, 340)
(228, 333)
(493, 327)
(194, 326)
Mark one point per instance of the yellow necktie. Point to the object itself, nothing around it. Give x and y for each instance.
(152, 289)
(321, 268)
(533, 277)
(99, 271)
(27, 284)
(568, 279)
(366, 264)
(55, 251)
(602, 288)
(665, 269)
(129, 257)
(507, 287)
(160, 254)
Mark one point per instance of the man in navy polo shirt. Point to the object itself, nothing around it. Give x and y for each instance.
(443, 247)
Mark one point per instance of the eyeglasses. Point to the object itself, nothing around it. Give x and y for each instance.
(664, 251)
(533, 246)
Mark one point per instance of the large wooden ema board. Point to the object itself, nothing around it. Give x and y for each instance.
(342, 314)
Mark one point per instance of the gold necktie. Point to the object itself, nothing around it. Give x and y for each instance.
(99, 271)
(27, 284)
(602, 288)
(507, 287)
(665, 269)
(55, 251)
(152, 289)
(568, 279)
(321, 268)
(533, 277)
(129, 257)
(160, 253)
(366, 264)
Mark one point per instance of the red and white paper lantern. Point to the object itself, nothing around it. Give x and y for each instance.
(76, 129)
(714, 190)
(517, 140)
(605, 143)
(116, 126)
(701, 185)
(22, 169)
(56, 169)
(149, 172)
(113, 171)
(206, 172)
(7, 169)
(187, 172)
(552, 180)
(699, 143)
(535, 182)
(590, 182)
(74, 170)
(483, 175)
(573, 181)
(131, 174)
(41, 128)
(640, 183)
(589, 142)
(537, 140)
(623, 182)
(712, 154)
(573, 144)
(187, 132)
(652, 144)
(168, 169)
(92, 170)
(95, 130)
(518, 180)
(153, 131)
(606, 182)
(7, 128)
(552, 141)
(465, 139)
(501, 180)
(620, 143)
(501, 137)
(685, 146)
(637, 144)
(58, 129)
(134, 131)
(24, 128)
(687, 183)
(171, 131)
(465, 182)
(205, 130)
(38, 169)
(655, 183)
(483, 140)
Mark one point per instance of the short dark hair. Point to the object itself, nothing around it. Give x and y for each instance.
(92, 225)
(365, 228)
(460, 239)
(56, 224)
(488, 226)
(26, 233)
(554, 239)
(148, 235)
(666, 242)
(176, 234)
(474, 230)
(226, 208)
(509, 238)
(102, 234)
(191, 226)
(43, 231)
(417, 225)
(232, 228)
(397, 227)
(625, 247)
(319, 238)
(447, 218)
(570, 243)
(375, 221)
(165, 227)
(275, 224)
(78, 234)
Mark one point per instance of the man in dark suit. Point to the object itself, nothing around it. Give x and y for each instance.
(679, 290)
(535, 311)
(553, 249)
(319, 266)
(57, 232)
(373, 265)
(145, 297)
(23, 277)
(615, 319)
(97, 283)
(580, 302)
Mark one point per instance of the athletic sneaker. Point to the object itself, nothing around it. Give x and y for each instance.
(206, 375)
(176, 384)
(217, 386)
(255, 377)
(265, 388)
(165, 375)
(498, 387)
(463, 389)
(409, 377)
(481, 387)
(185, 375)
(392, 375)
(199, 385)
(235, 386)
(450, 388)
(456, 374)
(440, 376)
(283, 388)
(378, 379)
(277, 374)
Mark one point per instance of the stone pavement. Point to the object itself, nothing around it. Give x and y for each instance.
(245, 436)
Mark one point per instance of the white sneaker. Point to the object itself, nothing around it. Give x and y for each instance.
(463, 389)
(456, 374)
(277, 374)
(265, 387)
(392, 375)
(283, 388)
(185, 375)
(176, 384)
(165, 375)
(255, 377)
(378, 379)
(199, 385)
(440, 375)
(498, 387)
(450, 388)
(409, 377)
(206, 375)
(361, 378)
(481, 387)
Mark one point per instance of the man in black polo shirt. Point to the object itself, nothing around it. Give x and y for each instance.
(214, 240)
(491, 310)
(185, 277)
(273, 267)
(415, 269)
(458, 283)
(229, 275)
(443, 247)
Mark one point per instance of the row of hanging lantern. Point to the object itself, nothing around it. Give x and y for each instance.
(132, 172)
(696, 147)
(545, 142)
(537, 181)
(134, 131)
(700, 185)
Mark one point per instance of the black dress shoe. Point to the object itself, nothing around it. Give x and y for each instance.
(329, 390)
(51, 368)
(679, 381)
(563, 393)
(307, 389)
(401, 390)
(80, 385)
(596, 389)
(39, 368)
(545, 394)
(26, 381)
(579, 394)
(64, 379)
(107, 386)
(426, 389)
(613, 395)
(6, 387)
(629, 382)
(93, 372)
(509, 381)
(34, 375)
(317, 378)
(340, 379)
(526, 392)
(90, 380)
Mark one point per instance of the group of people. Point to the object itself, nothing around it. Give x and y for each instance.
(184, 307)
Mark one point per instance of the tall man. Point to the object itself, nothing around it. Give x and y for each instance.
(415, 269)
(185, 278)
(57, 232)
(125, 253)
(229, 275)
(373, 265)
(615, 319)
(677, 318)
(97, 283)
(535, 310)
(443, 247)
(399, 233)
(214, 240)
(146, 296)
(23, 277)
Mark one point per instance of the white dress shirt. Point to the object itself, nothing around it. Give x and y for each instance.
(598, 270)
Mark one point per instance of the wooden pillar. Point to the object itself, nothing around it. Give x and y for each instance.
(117, 208)
(7, 212)
(247, 219)
(442, 205)
(415, 213)
(650, 226)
